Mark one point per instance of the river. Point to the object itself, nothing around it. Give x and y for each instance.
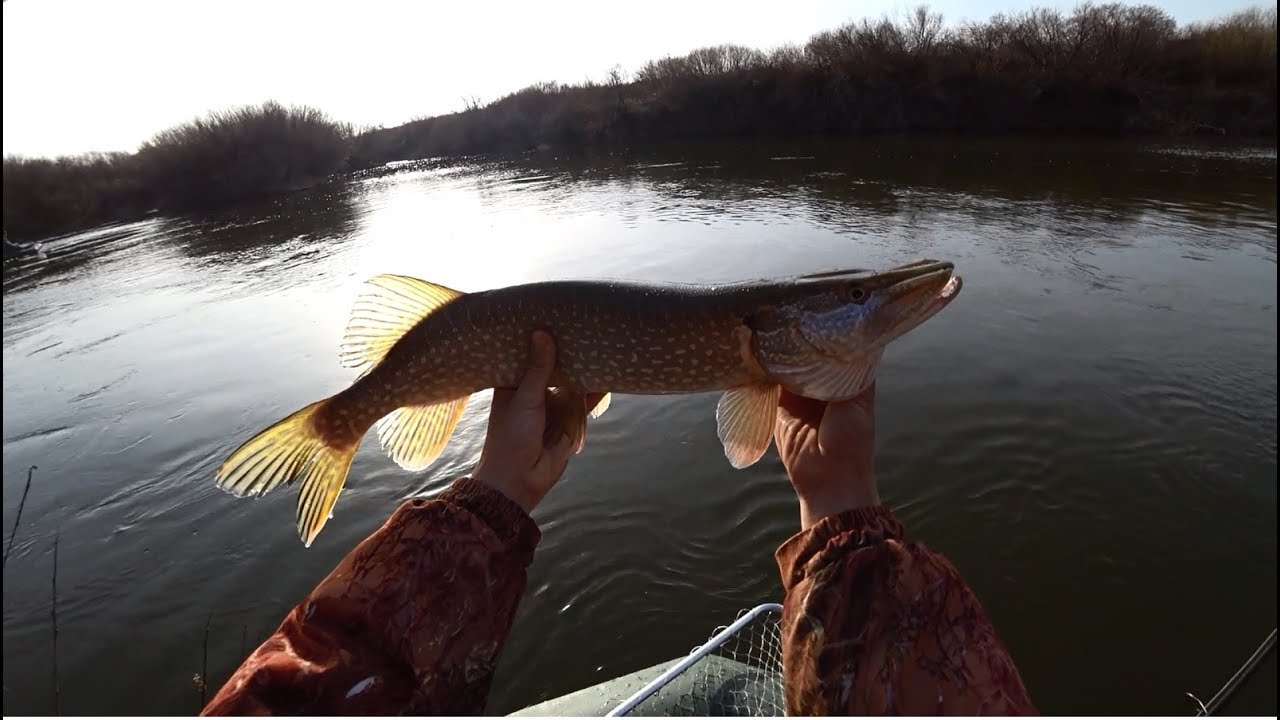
(1088, 433)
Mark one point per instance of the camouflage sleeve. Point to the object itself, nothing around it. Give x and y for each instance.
(411, 621)
(875, 625)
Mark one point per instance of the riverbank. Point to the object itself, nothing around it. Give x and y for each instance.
(1100, 70)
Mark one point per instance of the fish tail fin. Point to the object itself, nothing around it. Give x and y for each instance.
(296, 447)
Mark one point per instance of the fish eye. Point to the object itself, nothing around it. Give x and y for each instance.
(857, 294)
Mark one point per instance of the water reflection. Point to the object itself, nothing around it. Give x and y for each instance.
(248, 233)
(1071, 433)
(1101, 180)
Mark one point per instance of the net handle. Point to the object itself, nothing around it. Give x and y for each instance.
(698, 653)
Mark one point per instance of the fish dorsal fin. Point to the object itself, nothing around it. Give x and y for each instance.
(389, 308)
(744, 422)
(414, 436)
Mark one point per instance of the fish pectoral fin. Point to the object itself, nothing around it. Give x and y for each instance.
(415, 435)
(601, 406)
(390, 306)
(744, 422)
(830, 380)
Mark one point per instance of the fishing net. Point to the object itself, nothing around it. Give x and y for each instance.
(740, 676)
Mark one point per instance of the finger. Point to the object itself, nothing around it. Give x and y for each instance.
(865, 402)
(565, 413)
(553, 461)
(501, 400)
(558, 454)
(852, 419)
(847, 415)
(796, 407)
(531, 394)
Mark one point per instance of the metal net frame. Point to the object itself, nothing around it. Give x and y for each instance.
(737, 672)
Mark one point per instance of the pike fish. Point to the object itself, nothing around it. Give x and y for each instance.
(423, 349)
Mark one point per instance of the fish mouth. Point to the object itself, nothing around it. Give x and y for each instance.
(917, 291)
(947, 293)
(922, 283)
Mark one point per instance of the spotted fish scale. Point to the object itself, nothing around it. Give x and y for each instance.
(423, 349)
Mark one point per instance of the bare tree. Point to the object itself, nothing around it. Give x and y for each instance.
(924, 30)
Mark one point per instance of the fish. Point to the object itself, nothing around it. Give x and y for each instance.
(423, 349)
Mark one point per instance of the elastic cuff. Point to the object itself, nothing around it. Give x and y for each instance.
(511, 523)
(848, 531)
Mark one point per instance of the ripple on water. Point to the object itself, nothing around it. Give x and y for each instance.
(1094, 417)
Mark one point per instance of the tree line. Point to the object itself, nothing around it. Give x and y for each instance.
(1102, 68)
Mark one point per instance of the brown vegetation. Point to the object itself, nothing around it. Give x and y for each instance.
(214, 161)
(1102, 68)
(229, 157)
(1106, 68)
(44, 196)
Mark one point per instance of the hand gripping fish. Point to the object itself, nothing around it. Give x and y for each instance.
(423, 349)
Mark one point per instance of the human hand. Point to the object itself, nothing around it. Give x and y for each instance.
(828, 450)
(523, 456)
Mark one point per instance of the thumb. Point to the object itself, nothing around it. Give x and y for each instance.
(542, 363)
(850, 420)
(797, 407)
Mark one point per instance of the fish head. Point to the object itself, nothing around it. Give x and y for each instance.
(824, 338)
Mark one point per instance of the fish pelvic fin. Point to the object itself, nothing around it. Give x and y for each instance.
(744, 421)
(601, 406)
(566, 416)
(567, 412)
(390, 306)
(291, 449)
(415, 435)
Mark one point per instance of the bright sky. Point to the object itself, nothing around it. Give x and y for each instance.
(83, 75)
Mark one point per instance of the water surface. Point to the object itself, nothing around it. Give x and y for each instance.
(1088, 432)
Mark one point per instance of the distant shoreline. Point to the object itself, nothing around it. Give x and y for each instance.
(1102, 70)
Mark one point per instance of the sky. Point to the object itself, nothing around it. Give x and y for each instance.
(101, 75)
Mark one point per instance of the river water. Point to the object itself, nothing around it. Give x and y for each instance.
(1088, 432)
